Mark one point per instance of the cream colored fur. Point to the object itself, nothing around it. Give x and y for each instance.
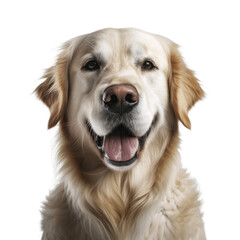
(153, 200)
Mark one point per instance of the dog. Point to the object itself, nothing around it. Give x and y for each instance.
(118, 96)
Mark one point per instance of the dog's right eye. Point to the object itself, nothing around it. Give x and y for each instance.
(91, 65)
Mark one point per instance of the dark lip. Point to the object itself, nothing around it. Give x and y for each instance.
(99, 140)
(122, 163)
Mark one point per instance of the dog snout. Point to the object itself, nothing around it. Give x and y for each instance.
(120, 98)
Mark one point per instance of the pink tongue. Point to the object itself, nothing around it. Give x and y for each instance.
(120, 148)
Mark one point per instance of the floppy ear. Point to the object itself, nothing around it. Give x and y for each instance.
(53, 91)
(184, 87)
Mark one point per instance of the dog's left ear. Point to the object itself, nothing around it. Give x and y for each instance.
(54, 90)
(185, 90)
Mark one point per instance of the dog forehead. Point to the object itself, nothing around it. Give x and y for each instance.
(133, 42)
(105, 48)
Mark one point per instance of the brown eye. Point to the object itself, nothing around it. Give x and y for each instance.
(91, 65)
(148, 65)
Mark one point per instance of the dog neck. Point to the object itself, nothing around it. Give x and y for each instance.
(117, 201)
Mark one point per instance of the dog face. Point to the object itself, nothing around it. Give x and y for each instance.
(119, 88)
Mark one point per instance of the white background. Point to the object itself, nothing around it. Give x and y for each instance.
(32, 31)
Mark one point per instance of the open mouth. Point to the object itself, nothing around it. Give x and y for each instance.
(120, 147)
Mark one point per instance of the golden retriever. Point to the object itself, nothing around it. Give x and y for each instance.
(118, 95)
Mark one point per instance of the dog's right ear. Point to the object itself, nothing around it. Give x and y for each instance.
(53, 91)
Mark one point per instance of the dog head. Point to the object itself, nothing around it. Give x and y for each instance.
(113, 89)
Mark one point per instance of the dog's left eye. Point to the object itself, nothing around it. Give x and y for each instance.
(91, 65)
(148, 65)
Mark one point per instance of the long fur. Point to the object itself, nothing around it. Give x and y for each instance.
(156, 199)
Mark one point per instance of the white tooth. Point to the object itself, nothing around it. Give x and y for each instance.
(102, 148)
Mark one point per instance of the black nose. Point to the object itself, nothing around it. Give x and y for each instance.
(120, 98)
